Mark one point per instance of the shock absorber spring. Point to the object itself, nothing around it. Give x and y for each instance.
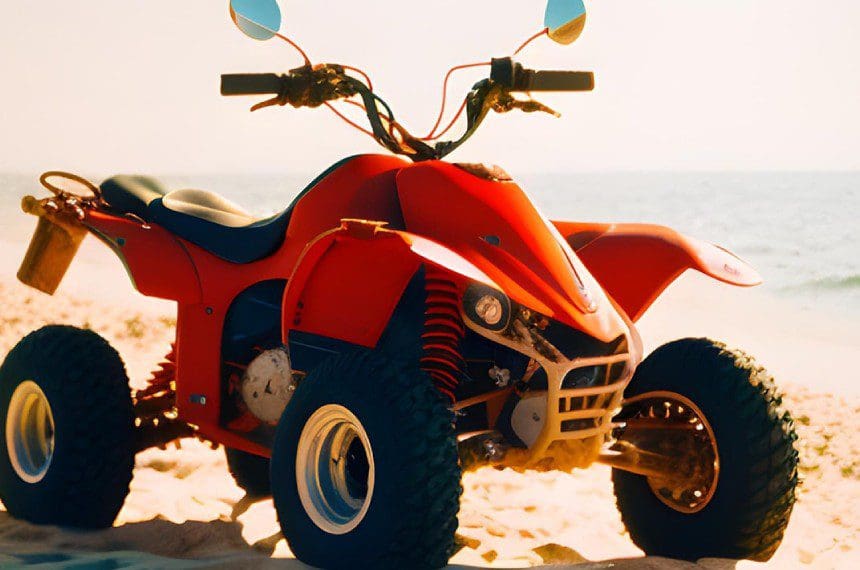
(162, 379)
(443, 331)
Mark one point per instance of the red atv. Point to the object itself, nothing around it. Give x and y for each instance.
(403, 320)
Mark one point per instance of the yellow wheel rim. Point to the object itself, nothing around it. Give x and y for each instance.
(30, 432)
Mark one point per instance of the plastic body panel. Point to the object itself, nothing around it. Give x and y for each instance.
(345, 275)
(162, 265)
(346, 286)
(157, 262)
(349, 281)
(363, 188)
(634, 263)
(495, 226)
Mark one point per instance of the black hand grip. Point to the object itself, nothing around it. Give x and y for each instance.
(510, 74)
(555, 81)
(251, 84)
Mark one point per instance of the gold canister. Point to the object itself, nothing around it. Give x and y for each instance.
(54, 244)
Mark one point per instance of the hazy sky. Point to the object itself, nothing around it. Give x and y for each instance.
(102, 86)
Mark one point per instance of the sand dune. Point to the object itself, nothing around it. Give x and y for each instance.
(185, 512)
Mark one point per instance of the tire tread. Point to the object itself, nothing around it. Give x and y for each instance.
(768, 490)
(427, 456)
(90, 379)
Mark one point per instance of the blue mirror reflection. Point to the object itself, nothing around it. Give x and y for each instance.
(257, 19)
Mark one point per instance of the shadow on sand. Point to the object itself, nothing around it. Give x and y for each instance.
(159, 543)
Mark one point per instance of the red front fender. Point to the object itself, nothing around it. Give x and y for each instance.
(348, 281)
(635, 262)
(496, 226)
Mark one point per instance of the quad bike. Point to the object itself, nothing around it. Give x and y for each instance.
(404, 320)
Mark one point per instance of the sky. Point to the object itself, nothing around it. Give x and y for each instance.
(101, 86)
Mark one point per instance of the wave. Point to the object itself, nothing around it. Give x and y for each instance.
(831, 283)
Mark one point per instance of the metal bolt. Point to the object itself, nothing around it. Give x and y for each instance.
(490, 449)
(502, 376)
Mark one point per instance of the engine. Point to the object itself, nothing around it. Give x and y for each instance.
(267, 385)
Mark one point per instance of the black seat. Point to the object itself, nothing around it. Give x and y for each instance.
(131, 194)
(204, 218)
(201, 217)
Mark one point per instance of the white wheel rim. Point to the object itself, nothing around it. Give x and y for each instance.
(30, 432)
(335, 472)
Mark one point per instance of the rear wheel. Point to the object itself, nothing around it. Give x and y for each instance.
(365, 467)
(67, 449)
(719, 415)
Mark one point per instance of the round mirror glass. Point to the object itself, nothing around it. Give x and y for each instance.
(258, 19)
(564, 20)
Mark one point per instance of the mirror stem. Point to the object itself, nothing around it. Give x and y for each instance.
(543, 32)
(296, 46)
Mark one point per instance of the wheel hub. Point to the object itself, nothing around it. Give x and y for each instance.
(30, 432)
(673, 445)
(335, 472)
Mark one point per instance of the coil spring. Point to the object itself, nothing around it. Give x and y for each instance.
(161, 379)
(443, 331)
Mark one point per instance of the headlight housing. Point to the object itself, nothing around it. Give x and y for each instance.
(487, 307)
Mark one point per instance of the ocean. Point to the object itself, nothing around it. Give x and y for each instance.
(800, 230)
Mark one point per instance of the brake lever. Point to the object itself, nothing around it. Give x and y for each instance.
(504, 102)
(308, 86)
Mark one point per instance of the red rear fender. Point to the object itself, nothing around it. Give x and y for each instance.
(157, 263)
(636, 262)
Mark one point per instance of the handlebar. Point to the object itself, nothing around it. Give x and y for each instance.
(309, 86)
(304, 86)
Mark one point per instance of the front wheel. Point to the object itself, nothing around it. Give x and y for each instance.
(365, 469)
(719, 416)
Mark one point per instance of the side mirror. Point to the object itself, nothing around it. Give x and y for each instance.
(257, 19)
(564, 20)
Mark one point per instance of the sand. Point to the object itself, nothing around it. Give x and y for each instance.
(184, 510)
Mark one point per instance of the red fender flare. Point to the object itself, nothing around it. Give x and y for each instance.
(635, 262)
(348, 281)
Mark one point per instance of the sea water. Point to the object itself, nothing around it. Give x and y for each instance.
(800, 230)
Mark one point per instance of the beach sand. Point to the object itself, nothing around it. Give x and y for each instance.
(185, 511)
